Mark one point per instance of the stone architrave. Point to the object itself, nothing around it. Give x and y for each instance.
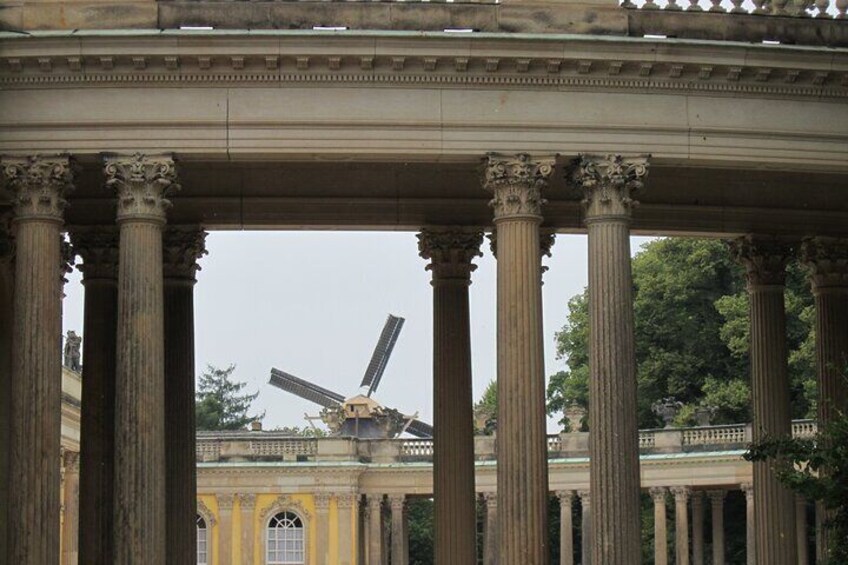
(517, 184)
(765, 259)
(247, 507)
(608, 183)
(399, 554)
(322, 526)
(451, 252)
(750, 525)
(38, 185)
(98, 247)
(717, 511)
(348, 510)
(659, 495)
(182, 247)
(375, 529)
(227, 533)
(586, 526)
(71, 527)
(681, 524)
(566, 527)
(697, 527)
(141, 183)
(490, 539)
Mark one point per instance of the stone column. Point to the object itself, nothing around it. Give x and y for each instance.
(247, 505)
(38, 185)
(608, 183)
(821, 541)
(322, 527)
(566, 528)
(70, 531)
(717, 512)
(7, 283)
(697, 528)
(750, 525)
(375, 529)
(226, 532)
(517, 184)
(182, 247)
(450, 253)
(801, 529)
(490, 542)
(140, 182)
(586, 527)
(659, 494)
(399, 550)
(765, 260)
(347, 504)
(681, 524)
(98, 248)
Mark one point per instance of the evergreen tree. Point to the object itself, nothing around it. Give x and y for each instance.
(220, 403)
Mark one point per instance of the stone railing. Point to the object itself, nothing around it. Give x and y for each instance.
(417, 448)
(792, 8)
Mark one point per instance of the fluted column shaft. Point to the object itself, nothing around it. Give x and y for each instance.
(608, 183)
(750, 526)
(375, 529)
(681, 525)
(455, 513)
(774, 504)
(517, 184)
(658, 494)
(7, 282)
(38, 185)
(490, 541)
(140, 478)
(247, 505)
(801, 529)
(226, 532)
(71, 527)
(182, 247)
(697, 528)
(322, 529)
(399, 550)
(717, 513)
(348, 512)
(566, 528)
(585, 527)
(98, 248)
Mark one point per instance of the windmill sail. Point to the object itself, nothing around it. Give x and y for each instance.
(381, 354)
(305, 389)
(420, 429)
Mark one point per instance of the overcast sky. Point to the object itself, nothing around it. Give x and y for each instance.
(313, 304)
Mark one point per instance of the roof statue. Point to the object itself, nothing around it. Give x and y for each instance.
(72, 352)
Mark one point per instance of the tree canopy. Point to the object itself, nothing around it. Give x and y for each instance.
(691, 329)
(220, 403)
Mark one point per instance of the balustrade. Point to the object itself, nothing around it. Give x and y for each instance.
(828, 9)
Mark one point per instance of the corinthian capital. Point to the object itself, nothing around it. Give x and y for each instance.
(826, 258)
(181, 248)
(516, 183)
(764, 259)
(98, 247)
(450, 252)
(39, 184)
(608, 183)
(141, 183)
(659, 494)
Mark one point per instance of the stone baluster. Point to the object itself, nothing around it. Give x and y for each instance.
(697, 528)
(247, 511)
(681, 524)
(765, 261)
(70, 530)
(750, 525)
(566, 527)
(585, 527)
(450, 253)
(659, 495)
(608, 183)
(517, 184)
(348, 512)
(490, 542)
(141, 183)
(98, 247)
(38, 185)
(717, 512)
(400, 555)
(182, 247)
(375, 529)
(226, 533)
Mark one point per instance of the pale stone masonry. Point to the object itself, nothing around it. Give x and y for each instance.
(659, 495)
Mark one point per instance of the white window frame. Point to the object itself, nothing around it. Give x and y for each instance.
(285, 504)
(204, 512)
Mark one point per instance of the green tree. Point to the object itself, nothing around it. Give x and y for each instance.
(421, 530)
(220, 403)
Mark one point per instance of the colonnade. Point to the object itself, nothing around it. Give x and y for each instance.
(137, 472)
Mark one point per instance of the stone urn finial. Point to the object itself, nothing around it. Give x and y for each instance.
(704, 415)
(575, 413)
(667, 409)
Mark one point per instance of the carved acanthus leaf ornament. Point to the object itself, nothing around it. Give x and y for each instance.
(98, 247)
(450, 252)
(826, 259)
(764, 259)
(517, 183)
(608, 183)
(181, 248)
(141, 183)
(39, 185)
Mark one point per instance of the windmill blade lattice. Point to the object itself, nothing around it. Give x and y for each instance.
(305, 389)
(380, 357)
(420, 429)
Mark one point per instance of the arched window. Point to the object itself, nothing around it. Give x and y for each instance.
(285, 543)
(202, 541)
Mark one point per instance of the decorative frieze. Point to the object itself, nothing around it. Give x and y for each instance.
(764, 259)
(141, 183)
(450, 252)
(608, 183)
(39, 184)
(517, 183)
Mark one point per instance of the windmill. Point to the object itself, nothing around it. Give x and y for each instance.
(360, 415)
